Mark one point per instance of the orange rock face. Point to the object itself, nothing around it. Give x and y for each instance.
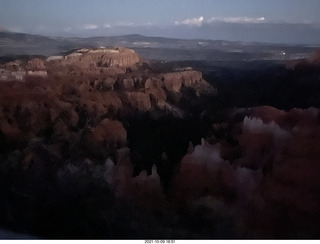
(36, 64)
(106, 137)
(193, 79)
(139, 100)
(76, 99)
(109, 131)
(102, 58)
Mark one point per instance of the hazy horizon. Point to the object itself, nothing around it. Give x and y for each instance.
(283, 21)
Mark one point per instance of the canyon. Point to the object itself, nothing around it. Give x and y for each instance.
(102, 143)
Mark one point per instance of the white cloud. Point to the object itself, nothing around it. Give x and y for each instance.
(90, 27)
(191, 22)
(237, 20)
(67, 29)
(125, 24)
(106, 25)
(201, 20)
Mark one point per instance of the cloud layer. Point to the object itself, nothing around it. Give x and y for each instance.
(243, 28)
(191, 22)
(237, 20)
(90, 27)
(199, 21)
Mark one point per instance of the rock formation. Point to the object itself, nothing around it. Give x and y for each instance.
(36, 64)
(68, 120)
(311, 63)
(87, 90)
(101, 117)
(190, 78)
(102, 57)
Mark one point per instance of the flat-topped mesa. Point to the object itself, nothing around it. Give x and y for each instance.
(105, 57)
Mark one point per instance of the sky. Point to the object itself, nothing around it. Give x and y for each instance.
(291, 21)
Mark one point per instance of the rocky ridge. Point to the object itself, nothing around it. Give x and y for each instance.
(80, 96)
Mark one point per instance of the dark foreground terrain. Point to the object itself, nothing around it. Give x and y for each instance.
(101, 144)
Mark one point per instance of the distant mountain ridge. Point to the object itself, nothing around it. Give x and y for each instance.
(12, 44)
